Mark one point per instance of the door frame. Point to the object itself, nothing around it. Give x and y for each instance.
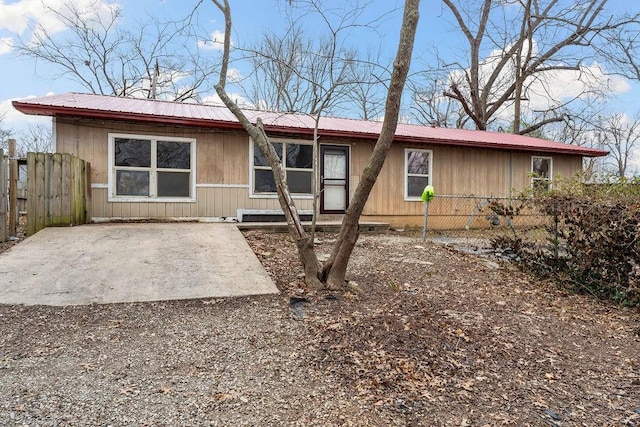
(347, 150)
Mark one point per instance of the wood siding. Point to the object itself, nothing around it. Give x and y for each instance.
(456, 171)
(222, 174)
(221, 158)
(211, 202)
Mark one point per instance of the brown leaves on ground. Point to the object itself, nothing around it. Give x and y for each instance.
(438, 337)
(20, 231)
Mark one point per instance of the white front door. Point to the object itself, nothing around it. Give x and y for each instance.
(334, 178)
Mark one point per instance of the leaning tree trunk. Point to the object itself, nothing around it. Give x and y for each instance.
(305, 247)
(335, 268)
(256, 132)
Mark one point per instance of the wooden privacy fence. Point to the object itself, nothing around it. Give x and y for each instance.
(58, 191)
(4, 202)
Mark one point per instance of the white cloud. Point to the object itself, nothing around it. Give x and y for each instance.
(216, 42)
(233, 75)
(16, 17)
(564, 85)
(15, 121)
(547, 89)
(6, 45)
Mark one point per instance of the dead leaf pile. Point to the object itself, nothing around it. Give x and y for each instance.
(443, 336)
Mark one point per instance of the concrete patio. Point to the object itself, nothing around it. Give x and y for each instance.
(113, 263)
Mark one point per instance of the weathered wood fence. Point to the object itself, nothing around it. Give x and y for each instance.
(4, 202)
(22, 186)
(58, 191)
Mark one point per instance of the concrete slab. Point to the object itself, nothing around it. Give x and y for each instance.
(321, 226)
(111, 263)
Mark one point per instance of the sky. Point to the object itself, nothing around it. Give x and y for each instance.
(22, 77)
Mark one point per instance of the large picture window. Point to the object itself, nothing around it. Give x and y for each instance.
(541, 172)
(417, 172)
(297, 162)
(144, 167)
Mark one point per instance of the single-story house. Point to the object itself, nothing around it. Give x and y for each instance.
(159, 159)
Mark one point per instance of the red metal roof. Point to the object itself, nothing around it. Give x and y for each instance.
(212, 116)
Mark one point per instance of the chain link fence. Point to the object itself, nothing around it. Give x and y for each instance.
(466, 217)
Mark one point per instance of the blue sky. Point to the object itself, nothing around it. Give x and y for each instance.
(22, 77)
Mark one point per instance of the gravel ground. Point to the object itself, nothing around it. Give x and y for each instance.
(228, 363)
(424, 336)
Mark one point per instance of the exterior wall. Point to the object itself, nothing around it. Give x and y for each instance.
(211, 202)
(456, 171)
(222, 171)
(222, 176)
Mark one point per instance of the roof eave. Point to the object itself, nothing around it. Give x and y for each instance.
(48, 110)
(585, 152)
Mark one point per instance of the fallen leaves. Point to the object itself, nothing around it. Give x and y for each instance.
(466, 384)
(446, 333)
(228, 396)
(164, 390)
(129, 391)
(220, 397)
(88, 367)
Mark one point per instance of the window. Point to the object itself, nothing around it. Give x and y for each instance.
(297, 165)
(144, 167)
(541, 172)
(417, 172)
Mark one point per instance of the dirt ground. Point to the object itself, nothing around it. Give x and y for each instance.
(20, 231)
(424, 336)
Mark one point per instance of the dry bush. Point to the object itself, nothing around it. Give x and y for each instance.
(592, 240)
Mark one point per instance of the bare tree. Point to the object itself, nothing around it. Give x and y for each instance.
(35, 137)
(620, 134)
(365, 96)
(317, 73)
(5, 134)
(287, 73)
(151, 59)
(593, 127)
(334, 270)
(525, 44)
(621, 50)
(430, 107)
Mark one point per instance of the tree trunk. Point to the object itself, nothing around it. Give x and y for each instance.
(335, 268)
(256, 132)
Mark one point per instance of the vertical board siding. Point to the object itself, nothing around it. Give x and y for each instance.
(456, 171)
(56, 191)
(212, 202)
(223, 174)
(4, 202)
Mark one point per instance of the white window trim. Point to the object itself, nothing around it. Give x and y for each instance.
(253, 146)
(550, 178)
(405, 173)
(150, 199)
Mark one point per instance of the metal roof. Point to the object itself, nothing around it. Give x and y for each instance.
(213, 116)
